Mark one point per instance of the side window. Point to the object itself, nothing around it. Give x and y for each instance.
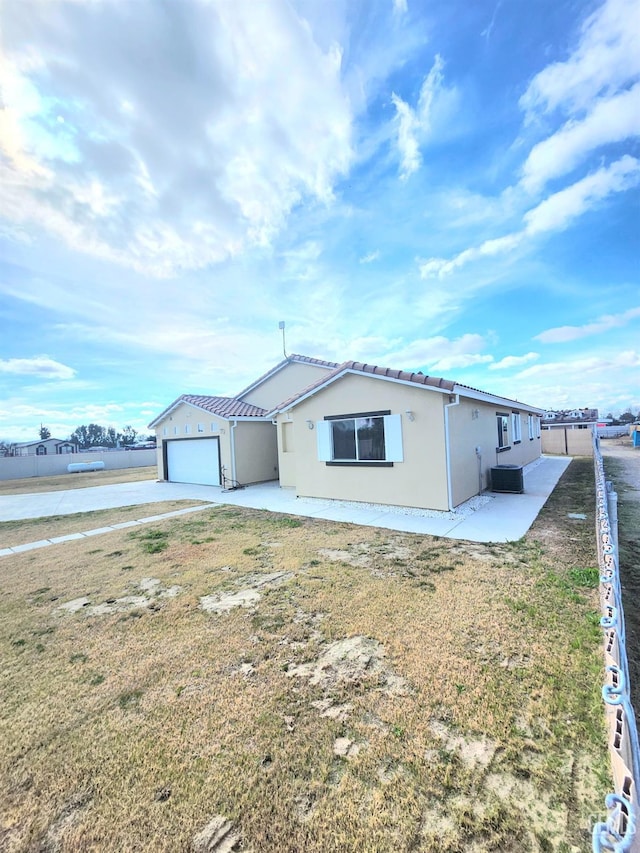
(516, 427)
(503, 431)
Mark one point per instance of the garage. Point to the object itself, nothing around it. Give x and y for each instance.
(195, 460)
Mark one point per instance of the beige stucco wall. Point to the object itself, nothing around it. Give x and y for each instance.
(567, 442)
(183, 423)
(284, 384)
(474, 424)
(256, 452)
(419, 481)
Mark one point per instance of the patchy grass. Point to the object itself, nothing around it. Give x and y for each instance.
(25, 530)
(369, 690)
(62, 482)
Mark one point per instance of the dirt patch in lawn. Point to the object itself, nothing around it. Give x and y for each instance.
(25, 530)
(435, 696)
(60, 482)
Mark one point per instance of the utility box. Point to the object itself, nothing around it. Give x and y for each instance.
(507, 478)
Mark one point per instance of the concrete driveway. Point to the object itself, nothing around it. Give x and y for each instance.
(486, 518)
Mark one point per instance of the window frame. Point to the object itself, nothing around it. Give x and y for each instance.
(516, 427)
(502, 423)
(391, 440)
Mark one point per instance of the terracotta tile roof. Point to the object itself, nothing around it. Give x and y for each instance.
(225, 407)
(361, 367)
(419, 378)
(298, 359)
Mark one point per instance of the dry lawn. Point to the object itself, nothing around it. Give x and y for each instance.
(61, 482)
(24, 530)
(321, 686)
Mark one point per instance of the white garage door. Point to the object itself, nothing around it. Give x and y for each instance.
(195, 460)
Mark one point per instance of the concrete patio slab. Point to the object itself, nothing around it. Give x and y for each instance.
(493, 518)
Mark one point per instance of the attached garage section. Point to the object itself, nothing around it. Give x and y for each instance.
(195, 460)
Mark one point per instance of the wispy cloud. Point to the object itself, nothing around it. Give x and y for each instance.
(370, 258)
(511, 361)
(414, 124)
(408, 148)
(486, 33)
(555, 213)
(611, 120)
(605, 59)
(440, 354)
(40, 366)
(562, 334)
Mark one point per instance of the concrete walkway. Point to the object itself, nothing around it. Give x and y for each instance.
(486, 518)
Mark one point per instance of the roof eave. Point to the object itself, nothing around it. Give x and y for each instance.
(344, 372)
(291, 359)
(183, 402)
(485, 397)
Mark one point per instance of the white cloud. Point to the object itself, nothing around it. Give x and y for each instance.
(578, 368)
(611, 120)
(555, 213)
(440, 354)
(414, 125)
(41, 366)
(370, 258)
(604, 378)
(510, 361)
(605, 60)
(400, 7)
(562, 334)
(184, 159)
(408, 147)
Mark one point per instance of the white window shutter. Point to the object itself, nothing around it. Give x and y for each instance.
(393, 438)
(323, 434)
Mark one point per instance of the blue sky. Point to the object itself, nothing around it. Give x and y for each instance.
(449, 186)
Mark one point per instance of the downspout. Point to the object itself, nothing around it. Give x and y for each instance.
(447, 448)
(234, 480)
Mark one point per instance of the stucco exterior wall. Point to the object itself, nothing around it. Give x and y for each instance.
(286, 448)
(183, 422)
(284, 384)
(473, 424)
(256, 452)
(419, 481)
(563, 441)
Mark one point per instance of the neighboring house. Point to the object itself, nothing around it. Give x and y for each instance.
(230, 440)
(356, 432)
(567, 416)
(43, 447)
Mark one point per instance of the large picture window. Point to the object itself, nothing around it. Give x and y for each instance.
(368, 438)
(358, 439)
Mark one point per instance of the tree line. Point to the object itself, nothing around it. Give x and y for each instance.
(95, 435)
